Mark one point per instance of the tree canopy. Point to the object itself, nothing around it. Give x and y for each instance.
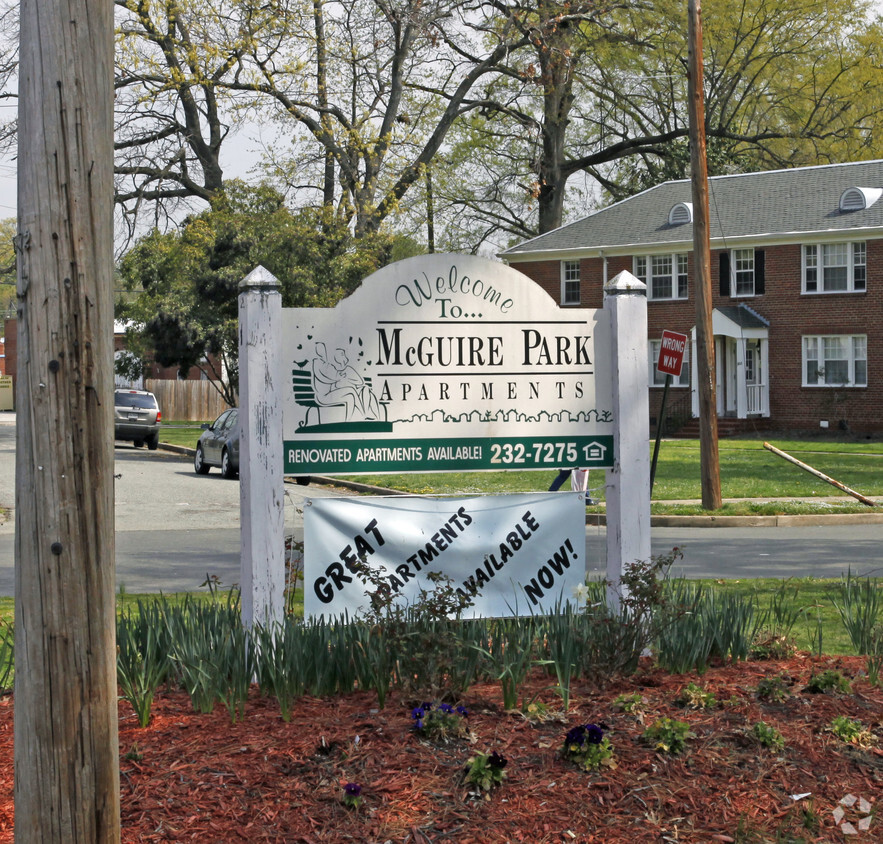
(186, 313)
(491, 119)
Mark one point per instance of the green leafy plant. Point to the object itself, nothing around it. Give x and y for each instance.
(874, 660)
(768, 644)
(424, 642)
(829, 682)
(352, 795)
(587, 746)
(509, 651)
(695, 697)
(860, 606)
(134, 754)
(684, 642)
(767, 736)
(142, 658)
(440, 723)
(538, 712)
(632, 704)
(668, 735)
(852, 731)
(774, 689)
(486, 770)
(7, 656)
(280, 662)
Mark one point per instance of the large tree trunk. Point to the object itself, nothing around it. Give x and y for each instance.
(66, 744)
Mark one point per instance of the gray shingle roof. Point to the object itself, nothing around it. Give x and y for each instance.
(744, 316)
(772, 204)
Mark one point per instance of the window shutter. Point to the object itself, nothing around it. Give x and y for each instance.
(725, 273)
(759, 272)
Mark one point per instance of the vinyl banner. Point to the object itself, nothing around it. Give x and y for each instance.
(511, 554)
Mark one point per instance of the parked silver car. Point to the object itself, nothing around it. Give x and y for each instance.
(136, 417)
(218, 445)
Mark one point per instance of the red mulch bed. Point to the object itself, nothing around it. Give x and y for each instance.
(201, 778)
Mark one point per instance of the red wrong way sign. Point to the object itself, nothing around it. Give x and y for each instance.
(671, 352)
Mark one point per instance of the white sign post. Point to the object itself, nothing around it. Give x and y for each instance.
(262, 526)
(628, 482)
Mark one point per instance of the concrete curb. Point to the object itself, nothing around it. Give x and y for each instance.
(599, 519)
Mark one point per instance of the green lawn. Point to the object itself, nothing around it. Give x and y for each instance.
(181, 433)
(747, 470)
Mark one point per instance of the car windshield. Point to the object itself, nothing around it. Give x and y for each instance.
(134, 400)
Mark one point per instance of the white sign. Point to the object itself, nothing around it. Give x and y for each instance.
(512, 554)
(446, 363)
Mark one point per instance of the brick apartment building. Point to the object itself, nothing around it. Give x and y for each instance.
(797, 274)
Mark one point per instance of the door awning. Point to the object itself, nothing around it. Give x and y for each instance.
(738, 321)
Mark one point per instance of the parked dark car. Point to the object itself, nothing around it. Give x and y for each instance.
(136, 417)
(218, 445)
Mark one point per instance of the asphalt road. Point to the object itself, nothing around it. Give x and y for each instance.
(173, 528)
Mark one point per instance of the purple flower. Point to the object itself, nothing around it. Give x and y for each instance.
(352, 789)
(495, 760)
(426, 706)
(417, 713)
(576, 735)
(418, 725)
(446, 708)
(584, 734)
(461, 710)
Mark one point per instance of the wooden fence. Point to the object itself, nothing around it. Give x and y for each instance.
(186, 400)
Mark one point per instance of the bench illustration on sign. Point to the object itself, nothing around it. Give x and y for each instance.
(330, 384)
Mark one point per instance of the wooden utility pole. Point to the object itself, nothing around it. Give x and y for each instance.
(66, 743)
(708, 450)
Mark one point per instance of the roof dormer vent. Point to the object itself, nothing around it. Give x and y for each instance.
(680, 213)
(858, 199)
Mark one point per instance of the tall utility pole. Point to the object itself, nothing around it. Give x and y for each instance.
(66, 742)
(708, 450)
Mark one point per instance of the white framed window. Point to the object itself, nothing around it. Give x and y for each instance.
(657, 378)
(835, 360)
(742, 272)
(570, 283)
(664, 275)
(835, 267)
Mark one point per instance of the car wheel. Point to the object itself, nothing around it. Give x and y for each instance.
(227, 469)
(137, 443)
(199, 464)
(303, 480)
(153, 442)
